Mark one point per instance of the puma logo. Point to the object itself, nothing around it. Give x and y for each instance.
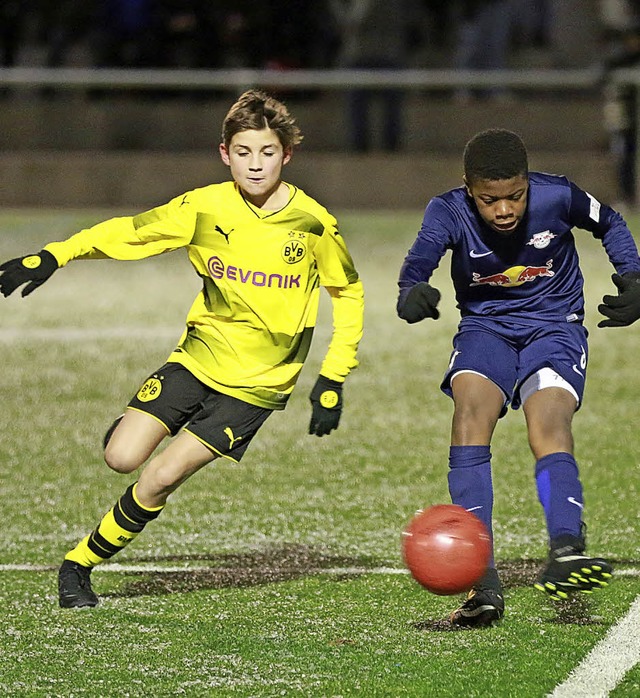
(218, 229)
(232, 439)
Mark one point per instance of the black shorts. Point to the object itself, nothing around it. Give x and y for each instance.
(177, 399)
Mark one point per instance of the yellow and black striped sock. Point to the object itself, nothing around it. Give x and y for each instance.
(118, 528)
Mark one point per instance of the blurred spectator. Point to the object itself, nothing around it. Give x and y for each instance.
(439, 22)
(12, 16)
(180, 23)
(191, 32)
(375, 34)
(483, 38)
(621, 114)
(320, 38)
(532, 21)
(127, 33)
(299, 34)
(64, 24)
(243, 30)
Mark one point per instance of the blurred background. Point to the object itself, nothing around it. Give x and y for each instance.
(120, 102)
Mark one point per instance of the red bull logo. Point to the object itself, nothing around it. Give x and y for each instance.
(514, 276)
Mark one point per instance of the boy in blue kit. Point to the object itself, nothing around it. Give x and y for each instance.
(520, 341)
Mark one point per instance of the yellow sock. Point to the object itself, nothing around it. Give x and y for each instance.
(119, 526)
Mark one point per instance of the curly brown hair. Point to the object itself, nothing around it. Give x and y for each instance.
(254, 111)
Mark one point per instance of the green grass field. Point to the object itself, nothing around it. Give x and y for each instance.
(283, 576)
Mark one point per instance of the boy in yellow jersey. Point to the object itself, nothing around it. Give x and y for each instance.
(262, 248)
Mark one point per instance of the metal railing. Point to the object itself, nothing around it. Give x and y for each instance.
(331, 79)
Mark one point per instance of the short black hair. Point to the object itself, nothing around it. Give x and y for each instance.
(495, 154)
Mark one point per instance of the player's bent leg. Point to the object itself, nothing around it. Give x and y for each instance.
(134, 438)
(168, 470)
(130, 442)
(470, 483)
(549, 414)
(484, 604)
(119, 526)
(568, 569)
(478, 403)
(142, 502)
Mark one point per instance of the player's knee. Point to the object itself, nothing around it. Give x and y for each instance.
(470, 413)
(472, 422)
(122, 460)
(550, 435)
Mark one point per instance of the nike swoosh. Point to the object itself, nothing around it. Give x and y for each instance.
(575, 368)
(475, 254)
(475, 508)
(571, 500)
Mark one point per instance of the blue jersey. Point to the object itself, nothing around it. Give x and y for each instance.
(531, 275)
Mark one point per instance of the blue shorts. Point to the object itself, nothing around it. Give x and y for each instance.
(507, 354)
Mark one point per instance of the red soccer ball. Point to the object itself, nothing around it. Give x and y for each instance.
(446, 548)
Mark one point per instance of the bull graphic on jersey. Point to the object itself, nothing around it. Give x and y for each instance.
(541, 240)
(513, 276)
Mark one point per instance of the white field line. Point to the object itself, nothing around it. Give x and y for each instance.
(152, 567)
(12, 335)
(607, 663)
(117, 567)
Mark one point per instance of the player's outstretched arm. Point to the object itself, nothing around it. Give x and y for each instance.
(326, 406)
(33, 270)
(418, 302)
(624, 309)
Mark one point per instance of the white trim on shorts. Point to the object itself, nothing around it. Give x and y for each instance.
(544, 378)
(477, 373)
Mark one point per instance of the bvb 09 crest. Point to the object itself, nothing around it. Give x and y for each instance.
(293, 251)
(150, 390)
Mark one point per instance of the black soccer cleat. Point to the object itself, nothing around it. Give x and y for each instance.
(569, 570)
(481, 609)
(74, 586)
(483, 606)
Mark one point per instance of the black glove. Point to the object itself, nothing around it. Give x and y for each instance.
(36, 268)
(326, 406)
(624, 308)
(418, 302)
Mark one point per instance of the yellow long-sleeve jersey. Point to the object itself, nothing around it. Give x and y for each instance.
(249, 330)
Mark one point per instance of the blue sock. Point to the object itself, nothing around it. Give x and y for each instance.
(470, 484)
(560, 493)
